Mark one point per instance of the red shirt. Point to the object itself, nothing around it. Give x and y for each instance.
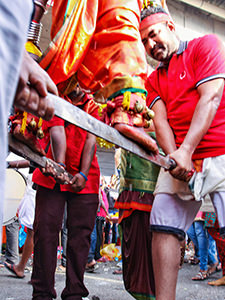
(195, 62)
(101, 211)
(75, 138)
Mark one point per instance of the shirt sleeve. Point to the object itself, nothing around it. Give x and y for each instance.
(93, 109)
(95, 113)
(152, 96)
(55, 121)
(209, 59)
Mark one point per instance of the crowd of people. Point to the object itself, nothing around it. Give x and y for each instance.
(98, 54)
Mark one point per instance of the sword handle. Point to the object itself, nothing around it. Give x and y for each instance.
(172, 164)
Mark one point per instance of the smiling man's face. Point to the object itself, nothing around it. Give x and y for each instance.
(158, 40)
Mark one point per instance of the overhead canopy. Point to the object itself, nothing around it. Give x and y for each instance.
(214, 7)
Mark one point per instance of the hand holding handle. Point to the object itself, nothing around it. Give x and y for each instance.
(172, 164)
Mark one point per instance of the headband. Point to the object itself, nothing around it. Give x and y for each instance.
(154, 19)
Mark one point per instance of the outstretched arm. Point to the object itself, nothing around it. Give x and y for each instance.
(33, 86)
(18, 164)
(164, 133)
(34, 82)
(58, 147)
(58, 143)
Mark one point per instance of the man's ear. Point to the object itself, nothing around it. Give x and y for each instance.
(171, 25)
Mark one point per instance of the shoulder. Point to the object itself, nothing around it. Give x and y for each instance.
(206, 51)
(209, 41)
(152, 77)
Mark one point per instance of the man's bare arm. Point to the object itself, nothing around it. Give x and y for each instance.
(88, 153)
(33, 86)
(58, 143)
(210, 95)
(164, 133)
(78, 180)
(58, 147)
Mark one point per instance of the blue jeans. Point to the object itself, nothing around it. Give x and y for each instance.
(99, 229)
(91, 254)
(114, 229)
(212, 250)
(204, 246)
(64, 234)
(12, 242)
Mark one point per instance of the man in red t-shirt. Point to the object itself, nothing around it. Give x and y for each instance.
(187, 94)
(75, 149)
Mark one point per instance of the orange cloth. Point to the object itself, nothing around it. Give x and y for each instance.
(3, 235)
(100, 42)
(117, 112)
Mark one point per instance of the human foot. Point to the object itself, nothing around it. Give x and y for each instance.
(202, 275)
(13, 270)
(214, 268)
(218, 282)
(91, 264)
(60, 269)
(118, 271)
(91, 267)
(194, 260)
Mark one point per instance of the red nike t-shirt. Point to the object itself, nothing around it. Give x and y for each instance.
(196, 62)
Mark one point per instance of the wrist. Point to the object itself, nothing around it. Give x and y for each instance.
(41, 5)
(82, 174)
(187, 148)
(34, 32)
(62, 164)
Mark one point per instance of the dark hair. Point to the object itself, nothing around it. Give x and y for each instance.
(151, 10)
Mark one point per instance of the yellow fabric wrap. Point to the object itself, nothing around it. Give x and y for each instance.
(31, 48)
(24, 122)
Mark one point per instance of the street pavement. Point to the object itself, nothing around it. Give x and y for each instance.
(105, 285)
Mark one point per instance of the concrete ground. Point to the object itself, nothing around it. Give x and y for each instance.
(107, 286)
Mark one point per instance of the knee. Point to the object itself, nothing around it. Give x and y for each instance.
(167, 231)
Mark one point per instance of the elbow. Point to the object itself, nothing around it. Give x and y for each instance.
(216, 94)
(91, 139)
(216, 101)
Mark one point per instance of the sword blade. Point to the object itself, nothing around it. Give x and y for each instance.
(78, 117)
(23, 150)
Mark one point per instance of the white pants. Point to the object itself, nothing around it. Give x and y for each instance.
(26, 207)
(175, 206)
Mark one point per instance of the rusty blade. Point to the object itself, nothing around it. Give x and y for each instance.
(78, 117)
(23, 150)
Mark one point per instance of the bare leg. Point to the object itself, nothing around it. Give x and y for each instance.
(166, 261)
(182, 252)
(27, 251)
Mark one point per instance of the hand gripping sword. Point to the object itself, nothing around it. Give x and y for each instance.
(80, 118)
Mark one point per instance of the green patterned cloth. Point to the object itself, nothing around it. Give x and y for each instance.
(137, 174)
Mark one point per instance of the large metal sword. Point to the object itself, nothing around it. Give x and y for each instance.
(36, 159)
(78, 117)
